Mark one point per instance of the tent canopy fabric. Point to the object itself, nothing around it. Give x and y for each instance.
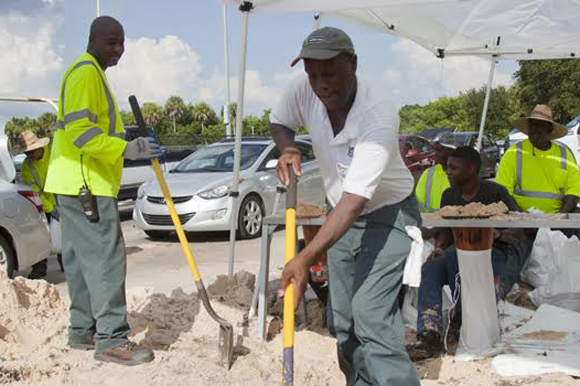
(510, 29)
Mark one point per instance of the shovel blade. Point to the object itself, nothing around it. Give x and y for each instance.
(226, 345)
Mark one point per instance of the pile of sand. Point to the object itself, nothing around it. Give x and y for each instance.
(185, 339)
(474, 209)
(235, 292)
(31, 312)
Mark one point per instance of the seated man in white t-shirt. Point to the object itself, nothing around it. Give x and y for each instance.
(354, 134)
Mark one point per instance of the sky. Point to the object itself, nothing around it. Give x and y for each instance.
(176, 47)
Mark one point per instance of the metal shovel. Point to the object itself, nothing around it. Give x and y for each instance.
(226, 336)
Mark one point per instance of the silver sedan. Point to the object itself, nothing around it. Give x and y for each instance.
(24, 234)
(200, 186)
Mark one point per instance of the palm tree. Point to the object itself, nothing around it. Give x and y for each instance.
(152, 114)
(203, 113)
(46, 123)
(175, 108)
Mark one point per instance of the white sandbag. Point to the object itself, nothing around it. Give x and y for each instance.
(541, 261)
(55, 237)
(480, 325)
(409, 310)
(548, 343)
(562, 288)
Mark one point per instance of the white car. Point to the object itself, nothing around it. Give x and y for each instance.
(24, 233)
(200, 187)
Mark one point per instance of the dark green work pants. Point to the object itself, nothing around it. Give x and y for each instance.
(95, 265)
(365, 276)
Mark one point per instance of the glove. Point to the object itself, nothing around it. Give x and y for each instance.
(142, 148)
(55, 215)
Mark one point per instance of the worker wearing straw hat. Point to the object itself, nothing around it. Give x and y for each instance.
(33, 173)
(540, 172)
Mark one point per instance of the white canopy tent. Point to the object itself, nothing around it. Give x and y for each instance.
(494, 29)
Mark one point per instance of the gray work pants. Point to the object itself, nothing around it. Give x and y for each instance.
(365, 269)
(95, 265)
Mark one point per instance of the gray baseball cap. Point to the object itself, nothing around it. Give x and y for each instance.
(325, 43)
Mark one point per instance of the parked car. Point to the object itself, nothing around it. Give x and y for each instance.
(24, 233)
(489, 152)
(200, 186)
(417, 153)
(136, 172)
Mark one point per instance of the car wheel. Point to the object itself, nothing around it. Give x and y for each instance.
(157, 235)
(250, 217)
(7, 257)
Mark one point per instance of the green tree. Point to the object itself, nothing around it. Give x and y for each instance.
(500, 111)
(127, 118)
(46, 124)
(175, 108)
(551, 82)
(152, 114)
(204, 114)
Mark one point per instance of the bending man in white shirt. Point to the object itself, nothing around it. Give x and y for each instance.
(355, 138)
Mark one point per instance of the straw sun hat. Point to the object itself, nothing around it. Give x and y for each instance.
(29, 141)
(541, 113)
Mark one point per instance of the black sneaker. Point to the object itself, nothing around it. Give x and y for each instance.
(428, 345)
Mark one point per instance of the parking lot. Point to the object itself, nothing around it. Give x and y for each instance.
(161, 265)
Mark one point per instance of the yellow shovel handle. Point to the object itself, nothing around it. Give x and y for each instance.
(176, 221)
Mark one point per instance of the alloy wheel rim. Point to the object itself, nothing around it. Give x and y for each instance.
(3, 260)
(252, 217)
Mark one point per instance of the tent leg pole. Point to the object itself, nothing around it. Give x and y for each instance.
(245, 8)
(486, 102)
(227, 69)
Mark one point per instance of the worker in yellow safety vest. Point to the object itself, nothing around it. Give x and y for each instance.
(434, 180)
(33, 173)
(85, 174)
(539, 172)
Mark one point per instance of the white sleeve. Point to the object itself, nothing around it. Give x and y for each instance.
(372, 153)
(288, 110)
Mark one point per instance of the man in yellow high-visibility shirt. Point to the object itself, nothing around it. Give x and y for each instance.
(538, 172)
(85, 174)
(434, 181)
(33, 173)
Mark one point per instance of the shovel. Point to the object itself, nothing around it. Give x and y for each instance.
(288, 317)
(226, 337)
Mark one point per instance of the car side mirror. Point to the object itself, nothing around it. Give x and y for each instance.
(412, 152)
(271, 164)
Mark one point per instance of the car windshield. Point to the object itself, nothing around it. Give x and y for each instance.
(219, 158)
(464, 140)
(573, 122)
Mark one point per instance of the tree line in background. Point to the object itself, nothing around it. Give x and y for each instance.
(552, 82)
(555, 83)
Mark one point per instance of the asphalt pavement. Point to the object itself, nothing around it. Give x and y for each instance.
(161, 265)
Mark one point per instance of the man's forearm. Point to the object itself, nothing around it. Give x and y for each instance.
(569, 204)
(337, 223)
(282, 136)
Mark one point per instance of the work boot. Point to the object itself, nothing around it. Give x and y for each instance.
(84, 345)
(129, 354)
(428, 345)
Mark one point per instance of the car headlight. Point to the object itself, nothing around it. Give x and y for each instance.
(217, 192)
(141, 192)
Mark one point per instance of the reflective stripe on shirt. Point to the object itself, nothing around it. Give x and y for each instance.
(85, 113)
(519, 171)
